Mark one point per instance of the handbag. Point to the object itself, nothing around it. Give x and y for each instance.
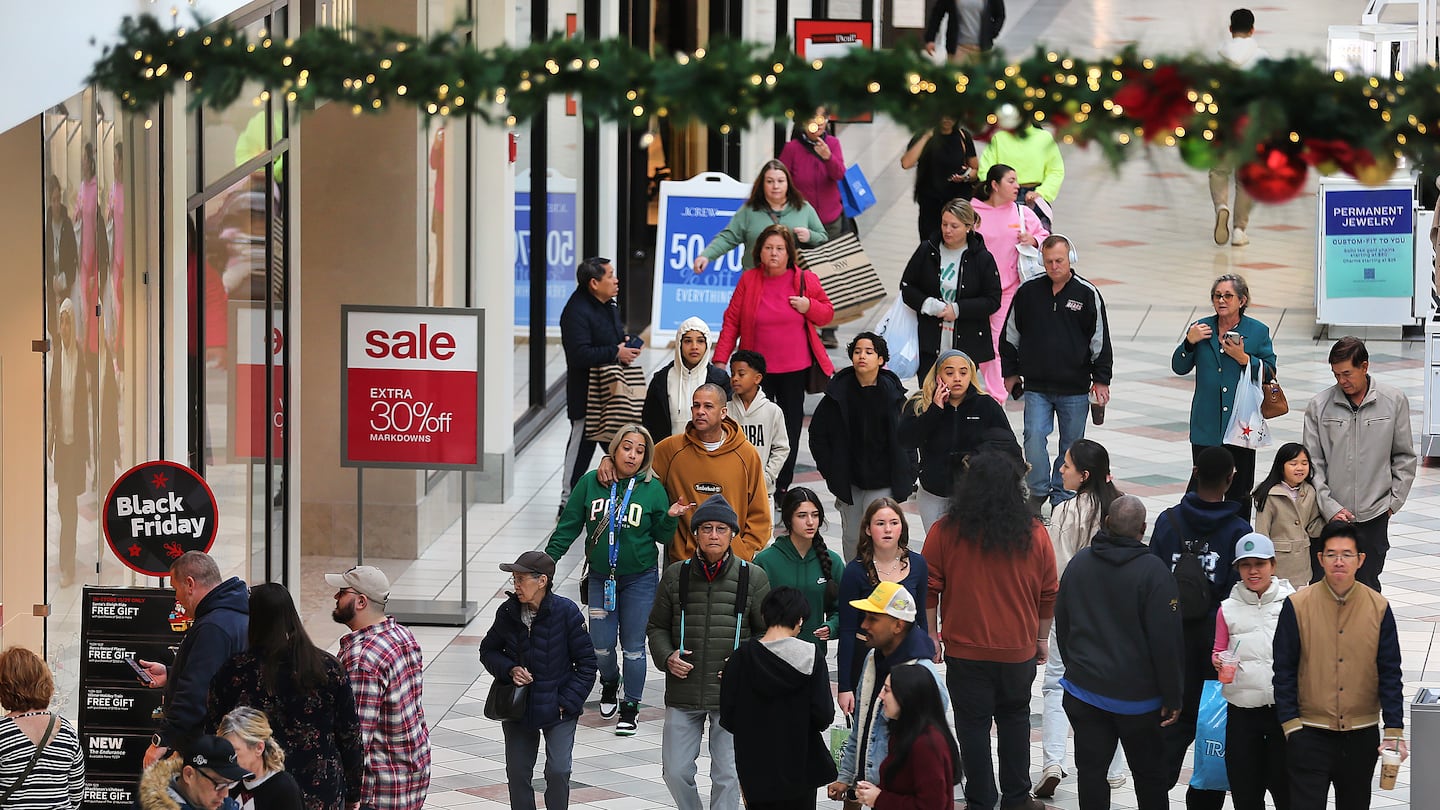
(29, 766)
(846, 275)
(1272, 399)
(816, 380)
(506, 701)
(1029, 264)
(614, 398)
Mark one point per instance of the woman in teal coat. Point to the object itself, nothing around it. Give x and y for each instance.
(800, 559)
(1217, 347)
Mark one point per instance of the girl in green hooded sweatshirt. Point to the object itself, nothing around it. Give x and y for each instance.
(800, 559)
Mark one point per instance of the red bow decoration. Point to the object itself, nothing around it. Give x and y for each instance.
(1158, 99)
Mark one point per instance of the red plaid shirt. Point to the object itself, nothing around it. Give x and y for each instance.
(385, 669)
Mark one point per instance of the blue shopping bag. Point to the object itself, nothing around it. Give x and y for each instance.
(855, 193)
(1210, 740)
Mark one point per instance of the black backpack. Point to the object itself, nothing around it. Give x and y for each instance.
(1196, 593)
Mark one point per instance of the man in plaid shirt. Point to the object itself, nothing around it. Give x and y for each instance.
(385, 668)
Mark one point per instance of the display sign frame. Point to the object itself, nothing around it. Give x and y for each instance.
(1365, 252)
(142, 520)
(830, 39)
(702, 206)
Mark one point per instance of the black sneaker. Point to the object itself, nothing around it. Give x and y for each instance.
(609, 701)
(628, 712)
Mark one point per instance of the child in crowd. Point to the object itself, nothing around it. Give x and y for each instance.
(1287, 511)
(762, 420)
(1245, 628)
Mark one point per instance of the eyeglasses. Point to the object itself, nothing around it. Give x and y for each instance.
(220, 787)
(1223, 296)
(350, 591)
(713, 528)
(1332, 556)
(517, 578)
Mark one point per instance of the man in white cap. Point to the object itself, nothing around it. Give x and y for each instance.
(888, 623)
(386, 673)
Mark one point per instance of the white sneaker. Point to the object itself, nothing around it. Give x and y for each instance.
(1049, 779)
(1222, 224)
(1117, 781)
(1238, 238)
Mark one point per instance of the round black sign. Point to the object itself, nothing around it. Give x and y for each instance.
(157, 511)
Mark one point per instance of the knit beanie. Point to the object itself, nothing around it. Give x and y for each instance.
(715, 508)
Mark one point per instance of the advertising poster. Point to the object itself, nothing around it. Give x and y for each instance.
(1369, 243)
(826, 39)
(561, 256)
(251, 412)
(692, 212)
(410, 387)
(118, 712)
(157, 511)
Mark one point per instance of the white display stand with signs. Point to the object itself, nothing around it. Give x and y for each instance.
(411, 392)
(1366, 269)
(692, 212)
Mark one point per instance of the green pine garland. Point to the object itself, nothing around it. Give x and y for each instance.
(1212, 111)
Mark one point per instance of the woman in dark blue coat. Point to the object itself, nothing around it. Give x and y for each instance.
(539, 638)
(1218, 347)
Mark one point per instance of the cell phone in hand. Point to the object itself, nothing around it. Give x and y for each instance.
(1234, 337)
(140, 672)
(634, 342)
(850, 795)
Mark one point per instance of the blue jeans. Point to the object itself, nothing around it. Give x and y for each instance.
(522, 745)
(634, 594)
(1041, 412)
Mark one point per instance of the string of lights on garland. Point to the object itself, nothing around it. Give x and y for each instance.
(1273, 122)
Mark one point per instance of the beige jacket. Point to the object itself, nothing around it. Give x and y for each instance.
(1290, 525)
(1364, 458)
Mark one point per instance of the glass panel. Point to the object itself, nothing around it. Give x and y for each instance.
(563, 198)
(239, 132)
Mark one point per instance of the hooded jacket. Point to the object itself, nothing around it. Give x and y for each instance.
(667, 400)
(734, 469)
(1117, 621)
(775, 699)
(977, 295)
(158, 792)
(834, 430)
(785, 567)
(646, 523)
(557, 650)
(764, 426)
(590, 333)
(947, 434)
(1217, 525)
(814, 178)
(707, 629)
(222, 620)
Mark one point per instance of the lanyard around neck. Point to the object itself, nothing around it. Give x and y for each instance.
(619, 508)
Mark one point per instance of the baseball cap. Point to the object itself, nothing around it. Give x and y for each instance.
(889, 598)
(532, 562)
(366, 579)
(217, 755)
(1254, 545)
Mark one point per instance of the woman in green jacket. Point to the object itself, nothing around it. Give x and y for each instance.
(774, 200)
(801, 560)
(623, 525)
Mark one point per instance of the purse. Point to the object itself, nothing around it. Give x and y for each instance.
(1028, 262)
(816, 380)
(506, 701)
(1272, 399)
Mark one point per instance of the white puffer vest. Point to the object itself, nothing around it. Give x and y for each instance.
(1252, 619)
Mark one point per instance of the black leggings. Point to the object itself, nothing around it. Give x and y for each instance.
(787, 390)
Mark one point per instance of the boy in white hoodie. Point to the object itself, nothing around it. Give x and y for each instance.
(761, 420)
(667, 400)
(1240, 51)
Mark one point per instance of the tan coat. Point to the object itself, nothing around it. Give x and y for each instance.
(1290, 525)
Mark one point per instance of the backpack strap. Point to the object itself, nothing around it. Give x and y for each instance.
(742, 592)
(684, 597)
(1181, 528)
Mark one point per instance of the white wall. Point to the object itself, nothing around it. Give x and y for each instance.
(49, 43)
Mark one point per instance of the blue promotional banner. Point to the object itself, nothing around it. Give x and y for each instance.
(1369, 243)
(687, 224)
(560, 258)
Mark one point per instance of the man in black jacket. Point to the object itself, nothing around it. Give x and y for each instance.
(221, 614)
(1056, 351)
(591, 334)
(1118, 627)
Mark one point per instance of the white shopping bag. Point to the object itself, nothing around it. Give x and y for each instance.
(1247, 427)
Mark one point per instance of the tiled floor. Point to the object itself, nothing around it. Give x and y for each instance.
(1143, 232)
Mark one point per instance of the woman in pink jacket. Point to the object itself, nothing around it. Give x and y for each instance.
(1004, 224)
(816, 165)
(774, 304)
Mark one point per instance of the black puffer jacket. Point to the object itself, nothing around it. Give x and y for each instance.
(222, 621)
(946, 435)
(557, 650)
(834, 430)
(977, 295)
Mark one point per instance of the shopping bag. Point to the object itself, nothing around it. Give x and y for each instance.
(839, 732)
(614, 398)
(1247, 427)
(846, 275)
(898, 327)
(1210, 740)
(1028, 262)
(855, 194)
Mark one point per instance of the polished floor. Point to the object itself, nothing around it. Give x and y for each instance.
(1144, 235)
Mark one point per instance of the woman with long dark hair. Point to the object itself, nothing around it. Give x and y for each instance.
(992, 589)
(1073, 524)
(1287, 510)
(801, 559)
(946, 168)
(922, 766)
(305, 693)
(774, 200)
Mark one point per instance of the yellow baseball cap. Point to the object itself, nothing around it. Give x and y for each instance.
(889, 598)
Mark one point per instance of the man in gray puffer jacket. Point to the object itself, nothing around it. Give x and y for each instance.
(704, 608)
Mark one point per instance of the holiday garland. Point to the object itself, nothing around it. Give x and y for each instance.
(1272, 121)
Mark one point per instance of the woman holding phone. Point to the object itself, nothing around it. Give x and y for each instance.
(1217, 348)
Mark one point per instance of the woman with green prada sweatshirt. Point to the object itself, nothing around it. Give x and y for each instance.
(622, 525)
(800, 559)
